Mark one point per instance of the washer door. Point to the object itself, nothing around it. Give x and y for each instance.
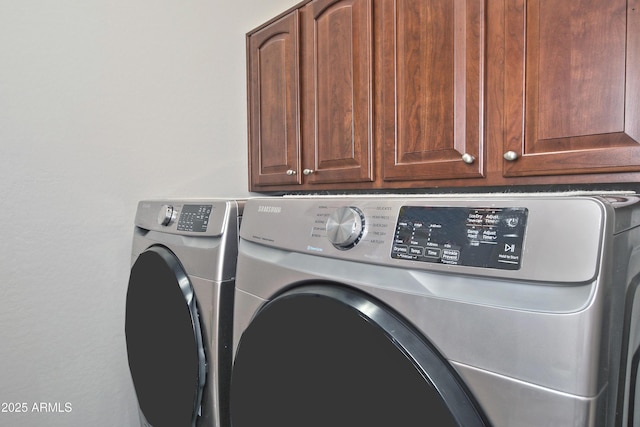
(330, 356)
(164, 340)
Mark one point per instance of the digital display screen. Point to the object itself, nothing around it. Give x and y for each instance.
(477, 237)
(194, 218)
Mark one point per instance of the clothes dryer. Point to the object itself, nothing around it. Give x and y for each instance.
(471, 310)
(179, 310)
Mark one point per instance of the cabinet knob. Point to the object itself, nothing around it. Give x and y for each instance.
(291, 172)
(510, 156)
(468, 158)
(307, 171)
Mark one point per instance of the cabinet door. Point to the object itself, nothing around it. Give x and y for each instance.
(337, 91)
(572, 86)
(273, 97)
(433, 72)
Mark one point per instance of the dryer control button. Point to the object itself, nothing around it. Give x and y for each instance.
(167, 215)
(345, 227)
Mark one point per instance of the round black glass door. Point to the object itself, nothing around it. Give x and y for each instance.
(329, 356)
(164, 341)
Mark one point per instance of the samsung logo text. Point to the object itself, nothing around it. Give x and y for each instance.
(270, 209)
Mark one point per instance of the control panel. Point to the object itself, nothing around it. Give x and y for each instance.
(194, 218)
(535, 237)
(187, 217)
(474, 237)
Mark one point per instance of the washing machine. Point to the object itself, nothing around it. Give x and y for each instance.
(179, 310)
(470, 310)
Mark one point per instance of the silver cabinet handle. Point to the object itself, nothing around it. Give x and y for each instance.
(468, 158)
(510, 156)
(291, 172)
(307, 171)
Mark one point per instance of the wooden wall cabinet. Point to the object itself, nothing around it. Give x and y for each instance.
(432, 72)
(572, 87)
(274, 103)
(310, 89)
(393, 94)
(337, 111)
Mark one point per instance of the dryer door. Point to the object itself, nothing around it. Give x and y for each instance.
(164, 340)
(324, 355)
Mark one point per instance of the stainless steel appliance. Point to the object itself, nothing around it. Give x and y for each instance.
(179, 310)
(471, 310)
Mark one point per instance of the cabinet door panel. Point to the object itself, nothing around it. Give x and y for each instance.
(632, 100)
(433, 74)
(274, 136)
(337, 91)
(571, 86)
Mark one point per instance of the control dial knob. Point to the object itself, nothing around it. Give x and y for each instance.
(345, 227)
(167, 215)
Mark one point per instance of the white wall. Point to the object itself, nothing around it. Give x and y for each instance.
(103, 103)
